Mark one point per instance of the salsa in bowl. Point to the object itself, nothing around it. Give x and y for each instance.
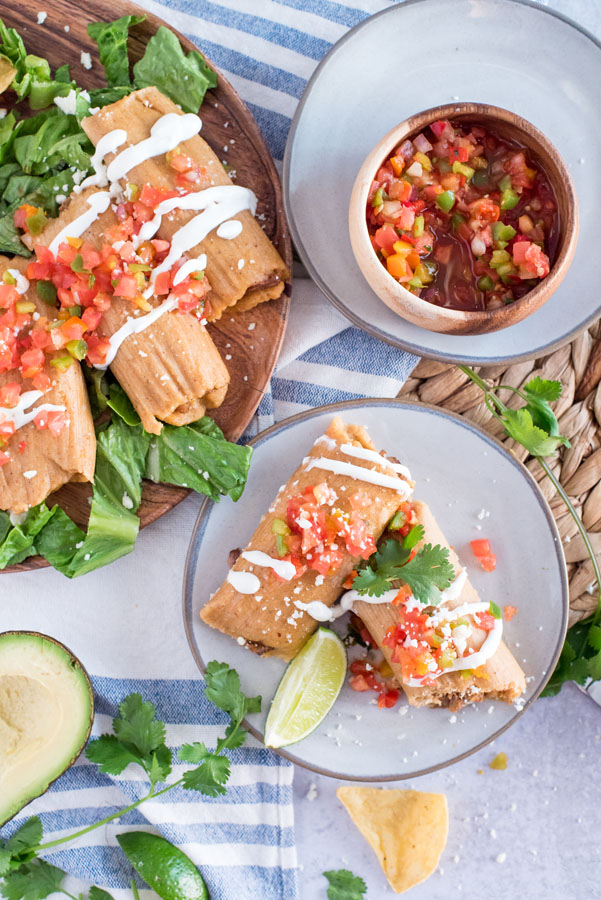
(464, 219)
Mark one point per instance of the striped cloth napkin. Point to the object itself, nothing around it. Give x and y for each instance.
(115, 619)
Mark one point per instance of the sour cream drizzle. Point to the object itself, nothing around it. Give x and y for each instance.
(192, 265)
(166, 133)
(22, 283)
(243, 582)
(108, 143)
(339, 467)
(98, 203)
(229, 230)
(219, 204)
(21, 415)
(134, 325)
(373, 456)
(281, 567)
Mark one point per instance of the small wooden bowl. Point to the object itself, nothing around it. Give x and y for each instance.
(455, 321)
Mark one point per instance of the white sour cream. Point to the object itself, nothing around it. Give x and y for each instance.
(98, 203)
(281, 567)
(134, 325)
(243, 582)
(166, 133)
(322, 613)
(373, 456)
(219, 204)
(21, 414)
(360, 473)
(108, 143)
(229, 230)
(192, 265)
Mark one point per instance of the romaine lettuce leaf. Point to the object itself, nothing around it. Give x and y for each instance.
(111, 38)
(185, 79)
(19, 542)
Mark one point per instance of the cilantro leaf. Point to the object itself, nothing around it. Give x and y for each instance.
(520, 426)
(193, 753)
(223, 689)
(594, 637)
(110, 755)
(96, 893)
(429, 572)
(572, 666)
(26, 837)
(35, 880)
(138, 725)
(543, 389)
(210, 777)
(5, 859)
(383, 567)
(343, 885)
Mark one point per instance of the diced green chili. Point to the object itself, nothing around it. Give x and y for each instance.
(415, 283)
(378, 198)
(61, 362)
(456, 220)
(485, 283)
(460, 168)
(498, 258)
(397, 521)
(279, 526)
(7, 278)
(480, 179)
(418, 226)
(504, 183)
(446, 201)
(502, 232)
(509, 199)
(35, 223)
(74, 310)
(46, 292)
(77, 349)
(77, 264)
(282, 547)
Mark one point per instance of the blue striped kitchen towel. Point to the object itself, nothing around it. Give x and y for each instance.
(244, 841)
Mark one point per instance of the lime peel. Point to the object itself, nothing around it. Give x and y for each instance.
(307, 691)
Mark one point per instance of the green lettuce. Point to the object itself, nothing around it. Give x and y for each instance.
(111, 38)
(183, 78)
(33, 79)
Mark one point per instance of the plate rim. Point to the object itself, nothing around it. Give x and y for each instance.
(402, 344)
(206, 508)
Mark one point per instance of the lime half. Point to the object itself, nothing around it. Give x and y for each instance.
(307, 691)
(164, 867)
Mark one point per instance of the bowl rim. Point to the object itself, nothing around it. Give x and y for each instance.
(361, 244)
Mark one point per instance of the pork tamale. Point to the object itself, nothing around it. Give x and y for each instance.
(498, 678)
(39, 460)
(171, 371)
(243, 270)
(324, 520)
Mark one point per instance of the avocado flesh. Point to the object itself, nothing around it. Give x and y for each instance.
(46, 712)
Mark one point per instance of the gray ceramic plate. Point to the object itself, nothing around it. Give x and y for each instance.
(504, 52)
(460, 471)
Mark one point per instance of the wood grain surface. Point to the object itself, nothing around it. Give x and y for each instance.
(250, 353)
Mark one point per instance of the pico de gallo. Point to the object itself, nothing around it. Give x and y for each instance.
(82, 279)
(317, 534)
(463, 217)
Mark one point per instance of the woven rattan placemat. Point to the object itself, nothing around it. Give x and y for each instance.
(578, 367)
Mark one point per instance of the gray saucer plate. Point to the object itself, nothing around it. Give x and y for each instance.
(476, 489)
(422, 53)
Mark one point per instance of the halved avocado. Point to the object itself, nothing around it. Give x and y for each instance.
(46, 713)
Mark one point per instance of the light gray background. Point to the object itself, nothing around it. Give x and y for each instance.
(542, 812)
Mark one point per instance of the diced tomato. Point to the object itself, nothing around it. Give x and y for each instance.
(151, 196)
(41, 382)
(485, 621)
(388, 699)
(9, 394)
(510, 612)
(483, 553)
(91, 317)
(126, 287)
(357, 682)
(162, 283)
(4, 458)
(7, 429)
(386, 237)
(57, 421)
(357, 539)
(439, 128)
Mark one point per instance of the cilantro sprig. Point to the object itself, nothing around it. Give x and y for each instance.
(138, 738)
(343, 885)
(427, 572)
(534, 425)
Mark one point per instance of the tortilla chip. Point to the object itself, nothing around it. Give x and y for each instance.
(406, 829)
(7, 73)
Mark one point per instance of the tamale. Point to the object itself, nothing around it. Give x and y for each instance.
(270, 621)
(171, 371)
(243, 271)
(44, 462)
(500, 678)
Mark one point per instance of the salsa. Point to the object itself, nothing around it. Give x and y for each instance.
(463, 217)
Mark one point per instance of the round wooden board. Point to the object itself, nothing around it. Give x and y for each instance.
(253, 352)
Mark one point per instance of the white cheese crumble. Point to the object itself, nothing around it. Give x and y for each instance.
(86, 60)
(42, 16)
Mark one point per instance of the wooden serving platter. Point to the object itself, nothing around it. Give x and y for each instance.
(249, 353)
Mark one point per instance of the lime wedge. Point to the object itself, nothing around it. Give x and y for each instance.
(307, 691)
(164, 867)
